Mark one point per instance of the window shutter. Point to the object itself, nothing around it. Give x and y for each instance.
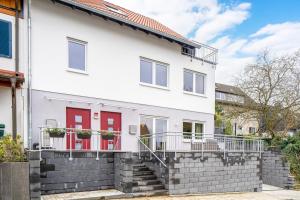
(5, 39)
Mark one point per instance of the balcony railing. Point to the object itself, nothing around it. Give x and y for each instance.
(198, 142)
(203, 52)
(79, 140)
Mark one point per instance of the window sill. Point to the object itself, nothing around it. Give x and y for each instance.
(5, 56)
(154, 86)
(195, 94)
(77, 71)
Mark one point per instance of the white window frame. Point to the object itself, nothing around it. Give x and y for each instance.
(193, 138)
(85, 71)
(154, 118)
(194, 83)
(154, 84)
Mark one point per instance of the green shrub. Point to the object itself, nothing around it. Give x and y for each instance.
(10, 150)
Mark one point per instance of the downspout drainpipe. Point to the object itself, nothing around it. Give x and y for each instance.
(13, 80)
(29, 95)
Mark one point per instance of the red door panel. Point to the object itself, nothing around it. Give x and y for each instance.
(79, 119)
(111, 121)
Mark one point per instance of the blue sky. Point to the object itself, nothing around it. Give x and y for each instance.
(240, 29)
(265, 12)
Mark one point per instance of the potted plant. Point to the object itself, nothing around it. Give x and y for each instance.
(106, 135)
(84, 134)
(14, 169)
(56, 132)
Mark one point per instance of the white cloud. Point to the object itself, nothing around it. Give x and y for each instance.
(209, 20)
(280, 39)
(222, 21)
(186, 16)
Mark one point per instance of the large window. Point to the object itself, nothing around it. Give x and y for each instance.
(192, 129)
(153, 73)
(5, 39)
(194, 82)
(153, 131)
(77, 55)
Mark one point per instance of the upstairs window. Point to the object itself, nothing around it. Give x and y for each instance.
(154, 73)
(5, 39)
(77, 55)
(194, 82)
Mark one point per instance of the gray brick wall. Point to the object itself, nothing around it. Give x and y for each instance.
(83, 173)
(276, 169)
(123, 172)
(192, 173)
(34, 174)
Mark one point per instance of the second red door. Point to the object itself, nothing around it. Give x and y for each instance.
(111, 121)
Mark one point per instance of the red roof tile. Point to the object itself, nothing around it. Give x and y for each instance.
(131, 16)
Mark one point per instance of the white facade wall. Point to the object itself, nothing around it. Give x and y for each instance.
(113, 73)
(113, 54)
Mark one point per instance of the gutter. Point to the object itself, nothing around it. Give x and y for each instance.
(121, 21)
(29, 87)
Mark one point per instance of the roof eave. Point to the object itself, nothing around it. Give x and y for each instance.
(126, 22)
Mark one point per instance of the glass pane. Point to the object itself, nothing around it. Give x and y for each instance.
(200, 83)
(218, 95)
(5, 39)
(188, 81)
(198, 130)
(76, 55)
(160, 130)
(187, 130)
(161, 75)
(146, 129)
(146, 71)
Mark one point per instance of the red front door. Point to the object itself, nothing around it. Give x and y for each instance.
(79, 119)
(111, 121)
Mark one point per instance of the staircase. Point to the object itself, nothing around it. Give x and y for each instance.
(145, 183)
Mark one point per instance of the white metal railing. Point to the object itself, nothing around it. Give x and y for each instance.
(145, 147)
(203, 52)
(199, 142)
(71, 141)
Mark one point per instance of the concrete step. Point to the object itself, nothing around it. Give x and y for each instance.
(142, 173)
(150, 193)
(144, 178)
(147, 188)
(146, 182)
(139, 165)
(135, 169)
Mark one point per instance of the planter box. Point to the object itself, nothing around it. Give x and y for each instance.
(83, 136)
(14, 181)
(108, 137)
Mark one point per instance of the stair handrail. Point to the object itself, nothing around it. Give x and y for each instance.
(141, 142)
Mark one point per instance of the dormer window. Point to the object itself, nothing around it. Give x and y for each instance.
(115, 10)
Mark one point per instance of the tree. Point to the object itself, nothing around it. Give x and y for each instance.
(273, 84)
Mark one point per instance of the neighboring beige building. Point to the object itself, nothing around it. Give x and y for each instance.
(232, 100)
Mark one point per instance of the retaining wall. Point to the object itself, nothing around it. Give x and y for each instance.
(192, 173)
(123, 172)
(82, 173)
(276, 169)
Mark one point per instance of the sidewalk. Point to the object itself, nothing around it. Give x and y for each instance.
(268, 193)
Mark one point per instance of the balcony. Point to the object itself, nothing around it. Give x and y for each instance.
(202, 52)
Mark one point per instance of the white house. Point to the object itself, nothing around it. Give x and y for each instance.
(99, 66)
